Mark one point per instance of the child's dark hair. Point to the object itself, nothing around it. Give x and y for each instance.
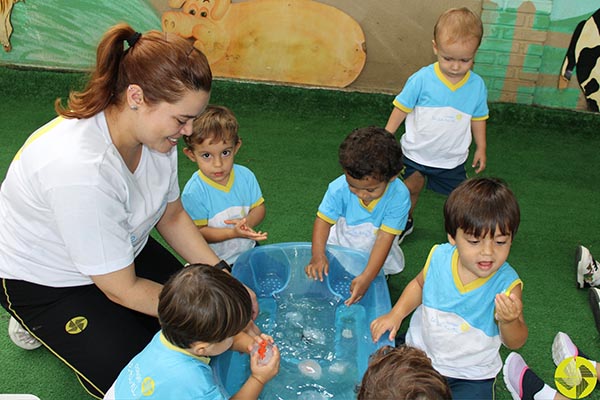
(216, 123)
(201, 303)
(480, 205)
(402, 373)
(371, 152)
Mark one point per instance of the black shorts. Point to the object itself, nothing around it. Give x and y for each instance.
(92, 335)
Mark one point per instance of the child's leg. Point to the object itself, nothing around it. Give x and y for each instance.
(415, 184)
(472, 389)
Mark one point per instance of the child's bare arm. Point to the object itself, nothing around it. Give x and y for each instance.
(379, 253)
(509, 314)
(395, 120)
(318, 263)
(256, 215)
(478, 128)
(410, 299)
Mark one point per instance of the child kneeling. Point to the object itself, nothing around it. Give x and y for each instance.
(203, 312)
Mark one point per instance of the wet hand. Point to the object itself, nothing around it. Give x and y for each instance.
(382, 324)
(317, 267)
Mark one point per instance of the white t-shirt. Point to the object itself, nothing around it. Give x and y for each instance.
(70, 208)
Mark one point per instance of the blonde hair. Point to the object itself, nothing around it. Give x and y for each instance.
(458, 25)
(164, 65)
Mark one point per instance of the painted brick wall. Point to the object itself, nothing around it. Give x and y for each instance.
(510, 56)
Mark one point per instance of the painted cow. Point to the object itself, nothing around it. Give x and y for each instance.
(294, 41)
(6, 28)
(583, 56)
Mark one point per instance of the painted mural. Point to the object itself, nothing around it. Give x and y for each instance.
(526, 46)
(292, 41)
(6, 28)
(583, 57)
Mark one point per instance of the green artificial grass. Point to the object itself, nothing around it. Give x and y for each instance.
(290, 138)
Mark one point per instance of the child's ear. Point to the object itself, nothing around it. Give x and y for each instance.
(435, 49)
(237, 146)
(451, 240)
(189, 153)
(199, 348)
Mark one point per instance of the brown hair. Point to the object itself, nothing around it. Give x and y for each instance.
(164, 65)
(201, 303)
(402, 373)
(480, 205)
(371, 152)
(216, 123)
(458, 25)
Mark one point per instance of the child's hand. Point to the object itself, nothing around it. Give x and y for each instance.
(508, 308)
(479, 161)
(267, 371)
(358, 288)
(316, 267)
(385, 323)
(242, 230)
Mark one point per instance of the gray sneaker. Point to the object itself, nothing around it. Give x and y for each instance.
(20, 336)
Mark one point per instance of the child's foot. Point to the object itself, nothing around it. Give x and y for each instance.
(595, 305)
(407, 230)
(563, 347)
(520, 380)
(588, 273)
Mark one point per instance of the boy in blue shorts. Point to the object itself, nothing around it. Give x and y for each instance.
(467, 300)
(365, 208)
(444, 104)
(223, 199)
(203, 312)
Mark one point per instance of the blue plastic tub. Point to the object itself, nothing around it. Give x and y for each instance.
(337, 347)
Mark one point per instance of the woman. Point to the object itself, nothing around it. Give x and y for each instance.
(80, 272)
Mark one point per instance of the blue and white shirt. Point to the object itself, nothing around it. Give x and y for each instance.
(211, 204)
(455, 323)
(164, 371)
(439, 115)
(355, 225)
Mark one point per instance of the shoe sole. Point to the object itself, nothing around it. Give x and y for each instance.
(595, 305)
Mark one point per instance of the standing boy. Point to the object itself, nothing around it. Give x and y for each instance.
(467, 297)
(444, 104)
(365, 208)
(223, 198)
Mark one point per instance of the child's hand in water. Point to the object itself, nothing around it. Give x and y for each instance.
(358, 288)
(317, 266)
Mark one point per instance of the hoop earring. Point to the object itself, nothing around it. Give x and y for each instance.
(134, 108)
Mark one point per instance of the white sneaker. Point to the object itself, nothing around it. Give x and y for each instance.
(513, 371)
(20, 336)
(588, 269)
(563, 348)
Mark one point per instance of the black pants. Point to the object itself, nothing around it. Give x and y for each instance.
(82, 327)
